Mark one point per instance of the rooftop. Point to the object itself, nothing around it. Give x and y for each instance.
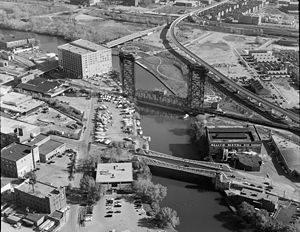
(15, 151)
(249, 160)
(233, 134)
(6, 180)
(34, 217)
(37, 139)
(20, 103)
(40, 85)
(255, 195)
(49, 146)
(11, 38)
(290, 152)
(82, 47)
(114, 172)
(41, 189)
(8, 125)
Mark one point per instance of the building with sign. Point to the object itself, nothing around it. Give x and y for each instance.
(233, 138)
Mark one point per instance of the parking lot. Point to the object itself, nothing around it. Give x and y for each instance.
(116, 121)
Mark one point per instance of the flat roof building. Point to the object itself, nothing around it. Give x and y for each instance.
(19, 103)
(48, 148)
(83, 59)
(115, 175)
(23, 130)
(43, 197)
(288, 153)
(13, 42)
(18, 159)
(42, 86)
(237, 138)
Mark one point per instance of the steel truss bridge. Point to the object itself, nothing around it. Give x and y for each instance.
(193, 103)
(199, 73)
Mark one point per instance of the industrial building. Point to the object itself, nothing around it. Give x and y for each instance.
(43, 197)
(18, 159)
(85, 2)
(114, 175)
(288, 155)
(17, 103)
(237, 139)
(186, 3)
(84, 59)
(42, 86)
(48, 148)
(22, 130)
(12, 43)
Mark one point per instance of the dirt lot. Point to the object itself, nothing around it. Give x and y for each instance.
(220, 50)
(52, 120)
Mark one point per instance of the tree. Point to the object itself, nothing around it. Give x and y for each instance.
(261, 219)
(149, 191)
(88, 185)
(167, 218)
(32, 178)
(7, 139)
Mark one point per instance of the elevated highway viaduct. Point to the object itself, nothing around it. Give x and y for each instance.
(293, 116)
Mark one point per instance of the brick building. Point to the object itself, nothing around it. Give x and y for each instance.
(42, 197)
(233, 138)
(17, 159)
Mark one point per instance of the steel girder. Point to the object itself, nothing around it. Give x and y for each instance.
(196, 84)
(128, 75)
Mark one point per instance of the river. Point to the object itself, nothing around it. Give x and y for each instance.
(199, 209)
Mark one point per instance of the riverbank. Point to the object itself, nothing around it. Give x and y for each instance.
(61, 21)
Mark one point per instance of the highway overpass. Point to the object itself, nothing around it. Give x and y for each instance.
(133, 36)
(291, 115)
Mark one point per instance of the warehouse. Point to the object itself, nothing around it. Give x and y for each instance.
(233, 138)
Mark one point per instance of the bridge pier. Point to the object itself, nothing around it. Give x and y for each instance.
(221, 182)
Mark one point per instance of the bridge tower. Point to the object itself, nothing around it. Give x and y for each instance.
(127, 75)
(196, 84)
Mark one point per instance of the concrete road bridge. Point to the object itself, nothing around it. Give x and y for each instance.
(133, 36)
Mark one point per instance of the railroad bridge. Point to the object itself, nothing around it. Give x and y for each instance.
(193, 103)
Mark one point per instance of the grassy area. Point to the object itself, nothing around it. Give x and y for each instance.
(39, 18)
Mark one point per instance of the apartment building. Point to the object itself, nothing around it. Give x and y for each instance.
(84, 59)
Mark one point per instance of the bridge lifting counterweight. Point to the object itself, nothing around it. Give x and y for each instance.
(128, 75)
(196, 85)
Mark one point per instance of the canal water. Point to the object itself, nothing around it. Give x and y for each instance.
(199, 209)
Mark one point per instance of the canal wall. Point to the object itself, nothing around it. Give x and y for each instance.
(202, 181)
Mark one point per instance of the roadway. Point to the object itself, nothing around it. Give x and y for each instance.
(133, 36)
(291, 115)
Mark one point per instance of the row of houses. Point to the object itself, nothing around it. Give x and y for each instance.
(241, 12)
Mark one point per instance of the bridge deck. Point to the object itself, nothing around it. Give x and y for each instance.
(132, 36)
